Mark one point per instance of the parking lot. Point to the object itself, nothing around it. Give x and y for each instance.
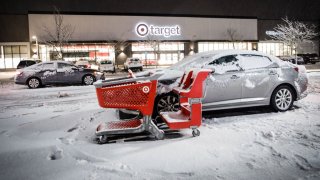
(48, 130)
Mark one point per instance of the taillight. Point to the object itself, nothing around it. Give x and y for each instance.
(296, 69)
(18, 73)
(88, 65)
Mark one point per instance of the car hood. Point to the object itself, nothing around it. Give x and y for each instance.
(167, 73)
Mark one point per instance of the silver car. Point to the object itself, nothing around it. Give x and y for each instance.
(55, 72)
(240, 79)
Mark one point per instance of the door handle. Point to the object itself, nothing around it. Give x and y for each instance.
(235, 77)
(273, 73)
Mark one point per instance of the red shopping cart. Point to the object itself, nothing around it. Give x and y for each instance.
(190, 91)
(139, 94)
(129, 93)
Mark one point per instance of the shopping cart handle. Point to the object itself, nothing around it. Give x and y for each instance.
(100, 84)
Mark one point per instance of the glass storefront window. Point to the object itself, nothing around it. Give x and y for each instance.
(7, 50)
(11, 55)
(167, 53)
(15, 49)
(210, 46)
(275, 48)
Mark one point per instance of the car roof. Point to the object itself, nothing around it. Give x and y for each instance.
(229, 52)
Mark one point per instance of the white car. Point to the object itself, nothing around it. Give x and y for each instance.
(133, 64)
(87, 64)
(239, 79)
(107, 66)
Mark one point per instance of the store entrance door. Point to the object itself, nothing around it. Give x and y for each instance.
(169, 58)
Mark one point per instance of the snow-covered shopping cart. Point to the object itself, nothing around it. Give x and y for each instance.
(128, 93)
(139, 94)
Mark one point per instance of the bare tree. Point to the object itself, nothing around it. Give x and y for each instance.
(293, 33)
(233, 36)
(59, 35)
(154, 43)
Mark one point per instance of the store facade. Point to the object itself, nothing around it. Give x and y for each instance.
(156, 40)
(165, 40)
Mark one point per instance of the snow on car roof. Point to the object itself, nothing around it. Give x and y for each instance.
(202, 57)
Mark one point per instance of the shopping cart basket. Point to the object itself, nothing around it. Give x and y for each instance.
(133, 94)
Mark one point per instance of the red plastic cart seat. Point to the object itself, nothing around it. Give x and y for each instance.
(190, 101)
(132, 123)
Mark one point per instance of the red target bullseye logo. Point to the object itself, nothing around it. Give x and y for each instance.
(145, 89)
(142, 29)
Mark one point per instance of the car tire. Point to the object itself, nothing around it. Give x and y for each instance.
(164, 103)
(88, 80)
(313, 62)
(282, 98)
(141, 69)
(34, 83)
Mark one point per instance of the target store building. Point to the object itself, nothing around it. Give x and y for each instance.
(118, 30)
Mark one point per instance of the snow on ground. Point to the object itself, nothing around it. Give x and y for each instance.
(47, 133)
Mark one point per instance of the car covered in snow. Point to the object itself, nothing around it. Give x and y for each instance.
(107, 66)
(87, 64)
(133, 64)
(239, 79)
(55, 72)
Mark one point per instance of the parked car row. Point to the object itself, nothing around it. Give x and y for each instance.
(102, 65)
(56, 72)
(301, 58)
(310, 58)
(292, 59)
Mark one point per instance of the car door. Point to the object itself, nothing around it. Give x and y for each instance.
(48, 73)
(224, 86)
(260, 76)
(67, 73)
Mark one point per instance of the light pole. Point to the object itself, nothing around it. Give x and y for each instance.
(35, 37)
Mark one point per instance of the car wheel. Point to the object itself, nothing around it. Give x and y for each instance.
(166, 102)
(141, 69)
(34, 83)
(313, 62)
(88, 80)
(282, 98)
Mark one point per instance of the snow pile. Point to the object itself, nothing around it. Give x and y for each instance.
(45, 137)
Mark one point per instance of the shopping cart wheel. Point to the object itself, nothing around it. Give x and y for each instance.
(102, 139)
(160, 135)
(195, 132)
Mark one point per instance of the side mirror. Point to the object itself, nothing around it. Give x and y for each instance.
(209, 67)
(213, 70)
(240, 68)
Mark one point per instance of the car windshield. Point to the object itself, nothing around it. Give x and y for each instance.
(313, 55)
(82, 62)
(35, 66)
(106, 62)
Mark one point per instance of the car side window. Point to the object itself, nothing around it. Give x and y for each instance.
(65, 66)
(225, 64)
(250, 61)
(48, 66)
